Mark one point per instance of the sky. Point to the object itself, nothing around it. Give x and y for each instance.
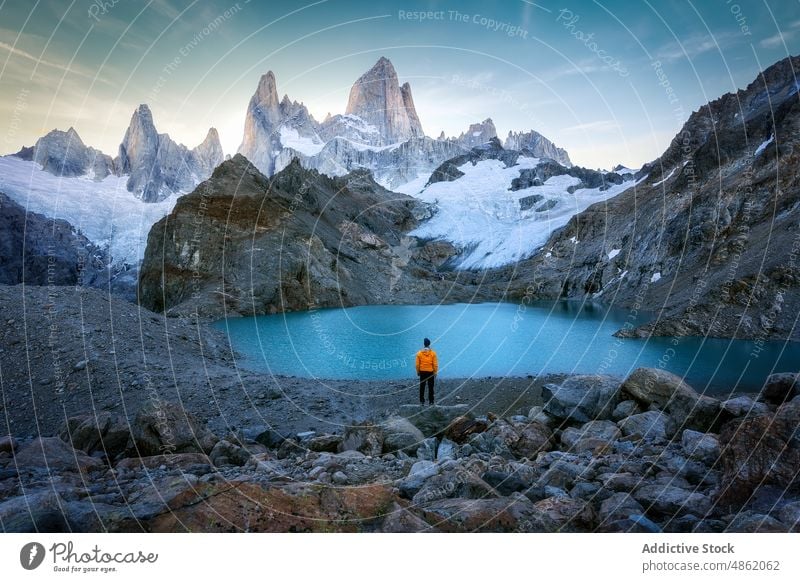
(611, 81)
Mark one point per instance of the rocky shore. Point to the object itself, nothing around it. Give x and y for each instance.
(648, 454)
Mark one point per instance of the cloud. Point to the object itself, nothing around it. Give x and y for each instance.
(776, 40)
(695, 46)
(602, 125)
(26, 55)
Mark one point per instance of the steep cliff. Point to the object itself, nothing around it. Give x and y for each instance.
(377, 98)
(708, 238)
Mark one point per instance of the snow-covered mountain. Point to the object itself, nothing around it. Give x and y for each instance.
(379, 131)
(63, 153)
(155, 166)
(498, 206)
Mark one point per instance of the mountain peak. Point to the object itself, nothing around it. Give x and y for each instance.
(383, 63)
(267, 92)
(377, 98)
(143, 111)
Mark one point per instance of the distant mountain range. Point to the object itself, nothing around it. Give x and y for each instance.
(380, 131)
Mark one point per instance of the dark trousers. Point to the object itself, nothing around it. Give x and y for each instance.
(426, 378)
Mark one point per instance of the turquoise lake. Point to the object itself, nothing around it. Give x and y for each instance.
(491, 339)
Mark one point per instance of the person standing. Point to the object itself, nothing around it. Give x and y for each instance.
(427, 365)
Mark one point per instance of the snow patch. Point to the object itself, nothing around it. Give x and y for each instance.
(655, 278)
(308, 146)
(104, 211)
(764, 145)
(665, 179)
(613, 253)
(481, 216)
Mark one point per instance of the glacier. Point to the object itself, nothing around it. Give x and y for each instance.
(482, 217)
(104, 211)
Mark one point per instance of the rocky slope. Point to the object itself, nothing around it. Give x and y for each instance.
(247, 244)
(36, 250)
(707, 237)
(535, 144)
(570, 466)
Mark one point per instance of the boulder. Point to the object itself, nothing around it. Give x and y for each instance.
(226, 453)
(672, 501)
(290, 447)
(651, 426)
(447, 450)
(565, 514)
(625, 409)
(501, 514)
(54, 455)
(700, 446)
(420, 472)
(162, 427)
(619, 506)
(401, 520)
(744, 405)
(326, 443)
(534, 438)
(103, 431)
(780, 388)
(8, 444)
(400, 434)
(364, 438)
(634, 523)
(789, 515)
(588, 491)
(270, 438)
(537, 414)
(457, 483)
(751, 522)
(668, 392)
(760, 450)
(34, 512)
(427, 449)
(562, 474)
(591, 436)
(433, 420)
(623, 482)
(582, 398)
(504, 483)
(463, 427)
(90, 516)
(506, 440)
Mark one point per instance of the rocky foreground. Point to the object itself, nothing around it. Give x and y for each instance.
(647, 454)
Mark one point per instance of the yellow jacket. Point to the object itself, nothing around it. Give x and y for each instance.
(427, 361)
